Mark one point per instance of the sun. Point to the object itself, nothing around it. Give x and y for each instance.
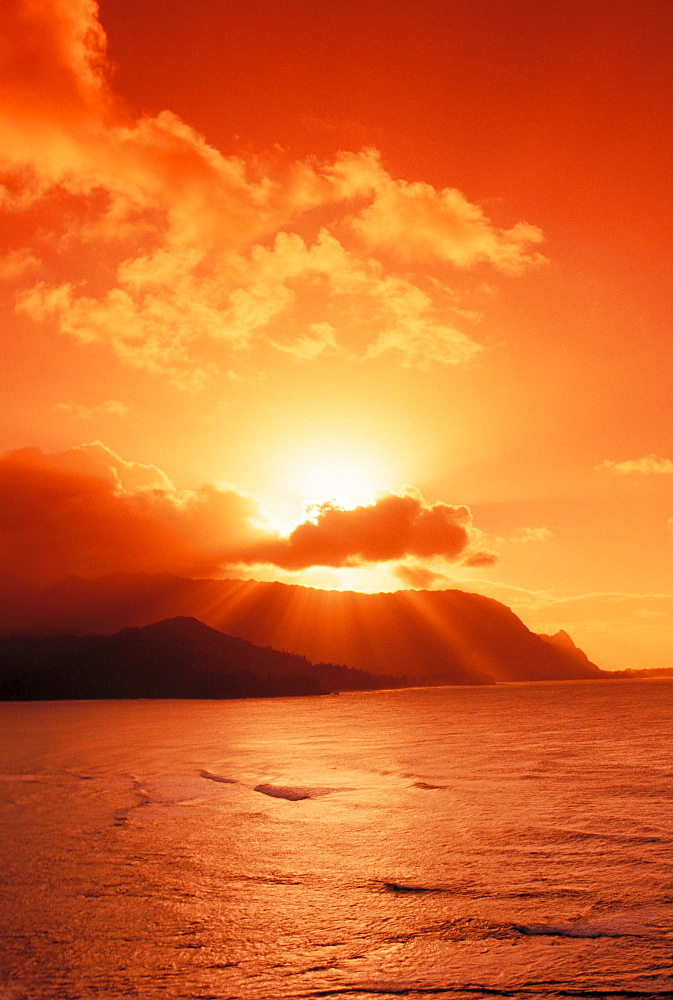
(350, 474)
(337, 477)
(350, 465)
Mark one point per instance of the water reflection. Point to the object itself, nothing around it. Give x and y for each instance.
(510, 839)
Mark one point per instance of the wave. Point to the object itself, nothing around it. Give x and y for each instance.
(170, 791)
(175, 791)
(294, 793)
(218, 777)
(586, 836)
(400, 887)
(621, 924)
(577, 930)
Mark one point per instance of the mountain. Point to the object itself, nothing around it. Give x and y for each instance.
(176, 658)
(443, 636)
(561, 640)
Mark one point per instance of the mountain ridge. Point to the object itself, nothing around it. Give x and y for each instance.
(448, 636)
(178, 657)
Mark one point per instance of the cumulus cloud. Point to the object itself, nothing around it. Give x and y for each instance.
(88, 511)
(97, 461)
(417, 222)
(650, 465)
(393, 527)
(193, 255)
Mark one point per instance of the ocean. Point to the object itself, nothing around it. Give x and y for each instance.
(505, 841)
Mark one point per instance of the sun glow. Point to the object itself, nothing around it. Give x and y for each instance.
(329, 470)
(338, 478)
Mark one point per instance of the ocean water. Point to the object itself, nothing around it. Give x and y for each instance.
(512, 841)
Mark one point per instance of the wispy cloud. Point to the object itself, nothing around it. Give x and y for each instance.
(110, 408)
(649, 465)
(320, 339)
(524, 535)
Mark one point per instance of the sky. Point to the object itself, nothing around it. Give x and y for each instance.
(354, 295)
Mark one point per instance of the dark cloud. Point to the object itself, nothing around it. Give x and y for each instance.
(87, 511)
(392, 528)
(67, 514)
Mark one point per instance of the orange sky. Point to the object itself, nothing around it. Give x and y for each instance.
(412, 257)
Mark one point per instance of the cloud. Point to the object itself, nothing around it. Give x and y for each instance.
(111, 407)
(57, 57)
(650, 465)
(99, 462)
(320, 339)
(18, 263)
(178, 257)
(417, 576)
(88, 511)
(481, 559)
(524, 535)
(392, 528)
(439, 573)
(419, 223)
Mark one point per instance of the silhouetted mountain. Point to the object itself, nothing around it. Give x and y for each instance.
(178, 658)
(443, 637)
(561, 640)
